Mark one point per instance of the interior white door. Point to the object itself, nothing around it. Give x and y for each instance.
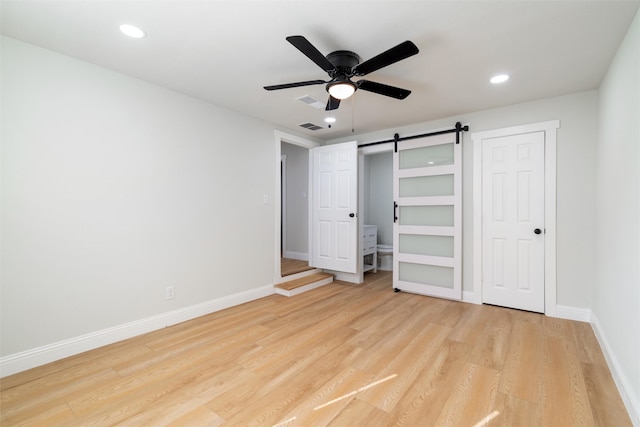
(427, 231)
(334, 221)
(513, 221)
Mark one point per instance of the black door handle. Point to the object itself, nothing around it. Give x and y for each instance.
(351, 215)
(395, 211)
(537, 231)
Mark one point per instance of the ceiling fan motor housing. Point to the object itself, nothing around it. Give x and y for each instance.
(344, 61)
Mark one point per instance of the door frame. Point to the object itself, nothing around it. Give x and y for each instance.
(283, 203)
(279, 138)
(550, 141)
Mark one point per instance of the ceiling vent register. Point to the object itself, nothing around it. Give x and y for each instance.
(310, 126)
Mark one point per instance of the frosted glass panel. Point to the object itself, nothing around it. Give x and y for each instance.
(427, 215)
(426, 245)
(426, 274)
(435, 155)
(426, 186)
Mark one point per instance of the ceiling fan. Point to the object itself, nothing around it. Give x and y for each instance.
(342, 65)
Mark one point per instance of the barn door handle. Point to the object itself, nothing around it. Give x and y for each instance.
(537, 231)
(395, 211)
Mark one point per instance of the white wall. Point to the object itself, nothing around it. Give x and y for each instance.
(113, 189)
(575, 182)
(297, 226)
(616, 306)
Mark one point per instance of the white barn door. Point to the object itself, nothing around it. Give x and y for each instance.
(427, 231)
(334, 218)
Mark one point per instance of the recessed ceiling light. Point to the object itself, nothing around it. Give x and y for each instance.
(330, 120)
(500, 78)
(132, 31)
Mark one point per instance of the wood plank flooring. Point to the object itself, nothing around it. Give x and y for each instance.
(339, 355)
(290, 266)
(303, 281)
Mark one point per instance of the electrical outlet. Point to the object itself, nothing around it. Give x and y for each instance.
(170, 292)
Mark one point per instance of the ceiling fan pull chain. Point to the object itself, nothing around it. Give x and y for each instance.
(353, 114)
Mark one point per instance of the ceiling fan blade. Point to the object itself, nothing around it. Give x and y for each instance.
(332, 103)
(382, 89)
(297, 84)
(304, 46)
(391, 56)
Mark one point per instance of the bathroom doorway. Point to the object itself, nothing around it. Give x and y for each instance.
(294, 217)
(377, 198)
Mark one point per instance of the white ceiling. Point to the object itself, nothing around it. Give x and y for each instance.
(223, 52)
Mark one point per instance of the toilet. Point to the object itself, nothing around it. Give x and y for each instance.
(385, 257)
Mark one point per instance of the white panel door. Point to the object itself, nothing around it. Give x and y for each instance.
(334, 222)
(513, 221)
(427, 230)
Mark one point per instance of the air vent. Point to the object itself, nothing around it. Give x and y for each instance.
(311, 101)
(310, 126)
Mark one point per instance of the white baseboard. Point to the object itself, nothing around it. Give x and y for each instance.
(572, 313)
(631, 401)
(470, 297)
(297, 255)
(344, 277)
(561, 311)
(28, 359)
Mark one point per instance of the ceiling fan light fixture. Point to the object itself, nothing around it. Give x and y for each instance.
(341, 89)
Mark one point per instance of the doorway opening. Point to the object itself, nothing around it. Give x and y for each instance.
(294, 187)
(292, 216)
(377, 201)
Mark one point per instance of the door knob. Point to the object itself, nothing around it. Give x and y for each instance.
(537, 231)
(351, 215)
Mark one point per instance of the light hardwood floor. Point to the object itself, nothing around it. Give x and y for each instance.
(339, 355)
(290, 266)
